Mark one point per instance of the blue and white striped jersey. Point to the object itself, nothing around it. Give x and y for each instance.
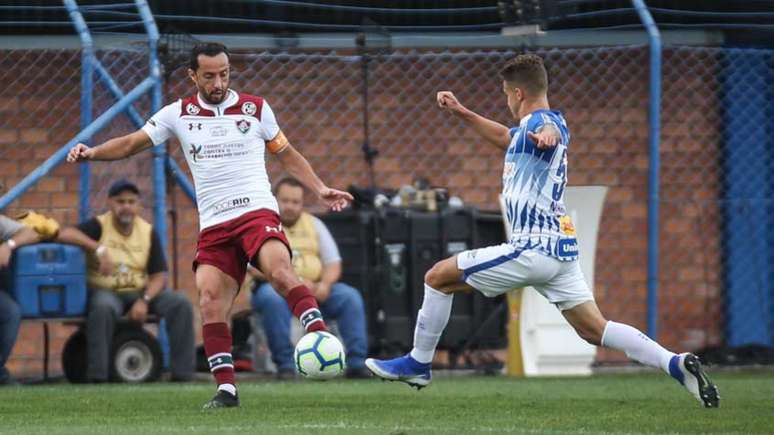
(533, 189)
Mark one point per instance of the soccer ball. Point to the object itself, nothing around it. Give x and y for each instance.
(319, 355)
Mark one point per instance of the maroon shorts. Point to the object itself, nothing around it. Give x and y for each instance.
(230, 245)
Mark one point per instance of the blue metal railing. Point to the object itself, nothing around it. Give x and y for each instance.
(174, 169)
(87, 80)
(654, 115)
(91, 67)
(59, 156)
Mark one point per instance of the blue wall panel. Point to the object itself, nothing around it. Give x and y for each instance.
(749, 187)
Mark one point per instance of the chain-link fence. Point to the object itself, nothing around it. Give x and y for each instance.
(127, 68)
(715, 195)
(603, 91)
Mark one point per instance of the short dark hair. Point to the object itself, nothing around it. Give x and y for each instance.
(210, 49)
(528, 72)
(287, 181)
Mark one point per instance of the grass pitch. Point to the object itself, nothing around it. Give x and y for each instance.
(612, 404)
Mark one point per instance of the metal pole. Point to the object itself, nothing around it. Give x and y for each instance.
(368, 152)
(113, 88)
(654, 113)
(159, 151)
(87, 92)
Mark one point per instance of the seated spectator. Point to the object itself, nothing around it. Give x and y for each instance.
(13, 234)
(127, 274)
(317, 261)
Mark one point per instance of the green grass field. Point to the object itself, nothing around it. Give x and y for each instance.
(642, 403)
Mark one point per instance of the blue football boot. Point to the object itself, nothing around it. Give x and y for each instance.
(687, 369)
(404, 369)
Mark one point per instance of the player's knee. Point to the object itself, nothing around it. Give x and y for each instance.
(282, 279)
(590, 335)
(210, 304)
(434, 277)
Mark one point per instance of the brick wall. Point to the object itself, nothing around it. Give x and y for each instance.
(603, 93)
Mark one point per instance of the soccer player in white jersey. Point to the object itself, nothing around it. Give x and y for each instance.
(224, 136)
(543, 250)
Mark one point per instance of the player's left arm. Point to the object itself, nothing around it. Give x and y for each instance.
(295, 163)
(299, 168)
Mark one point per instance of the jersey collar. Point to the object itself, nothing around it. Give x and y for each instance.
(229, 101)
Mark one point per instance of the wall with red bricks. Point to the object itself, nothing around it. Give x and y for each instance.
(317, 98)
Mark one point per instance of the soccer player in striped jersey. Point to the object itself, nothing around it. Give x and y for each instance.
(543, 249)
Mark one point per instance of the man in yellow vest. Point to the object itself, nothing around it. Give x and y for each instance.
(136, 285)
(317, 261)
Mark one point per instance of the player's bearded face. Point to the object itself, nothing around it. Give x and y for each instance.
(212, 77)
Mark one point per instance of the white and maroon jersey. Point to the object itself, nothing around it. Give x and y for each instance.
(224, 146)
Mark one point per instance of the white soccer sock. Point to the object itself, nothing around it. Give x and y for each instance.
(229, 388)
(636, 345)
(431, 321)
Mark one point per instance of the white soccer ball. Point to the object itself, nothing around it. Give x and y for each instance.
(319, 355)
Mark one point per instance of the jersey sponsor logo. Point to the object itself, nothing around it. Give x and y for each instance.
(218, 131)
(249, 108)
(230, 204)
(310, 316)
(243, 125)
(196, 125)
(271, 229)
(566, 226)
(558, 208)
(195, 152)
(567, 248)
(192, 109)
(152, 122)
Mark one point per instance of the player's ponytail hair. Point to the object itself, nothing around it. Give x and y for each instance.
(526, 71)
(209, 49)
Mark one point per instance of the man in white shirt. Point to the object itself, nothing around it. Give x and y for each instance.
(224, 136)
(12, 235)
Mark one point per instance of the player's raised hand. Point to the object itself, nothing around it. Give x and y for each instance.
(336, 200)
(545, 138)
(79, 153)
(447, 100)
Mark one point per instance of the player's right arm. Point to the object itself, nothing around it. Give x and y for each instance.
(114, 149)
(493, 132)
(157, 130)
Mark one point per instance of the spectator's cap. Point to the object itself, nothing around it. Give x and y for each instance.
(121, 186)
